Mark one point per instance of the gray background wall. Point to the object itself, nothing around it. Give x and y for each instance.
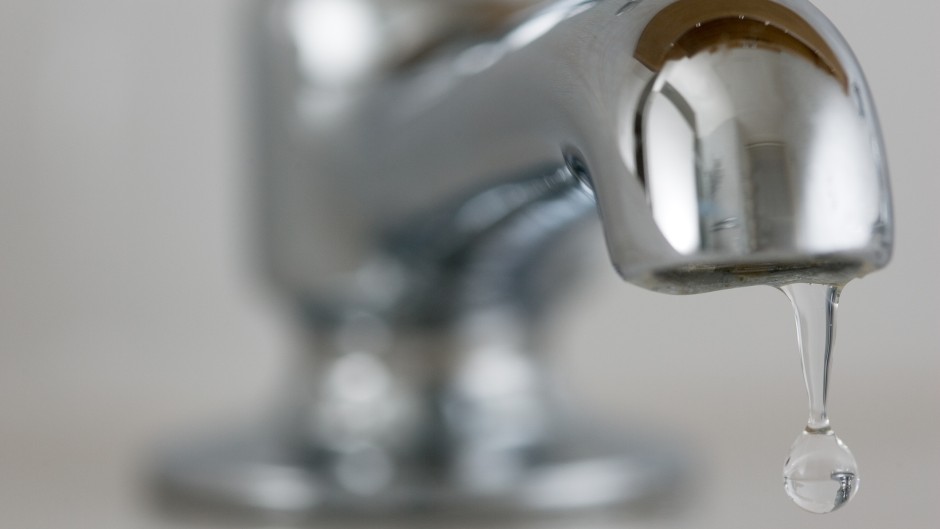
(130, 308)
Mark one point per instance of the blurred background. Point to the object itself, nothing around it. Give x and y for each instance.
(132, 308)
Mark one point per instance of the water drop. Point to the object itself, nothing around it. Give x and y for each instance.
(820, 474)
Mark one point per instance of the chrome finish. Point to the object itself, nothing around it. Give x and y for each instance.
(422, 162)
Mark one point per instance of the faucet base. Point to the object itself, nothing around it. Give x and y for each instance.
(261, 473)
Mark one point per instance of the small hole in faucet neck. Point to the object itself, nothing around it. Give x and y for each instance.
(574, 160)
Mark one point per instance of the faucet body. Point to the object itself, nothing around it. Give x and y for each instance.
(776, 171)
(417, 172)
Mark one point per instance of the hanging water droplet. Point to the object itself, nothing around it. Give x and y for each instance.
(820, 474)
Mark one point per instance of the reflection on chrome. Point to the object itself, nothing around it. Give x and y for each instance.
(424, 165)
(336, 39)
(737, 162)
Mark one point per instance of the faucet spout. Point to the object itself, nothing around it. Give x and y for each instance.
(725, 144)
(757, 149)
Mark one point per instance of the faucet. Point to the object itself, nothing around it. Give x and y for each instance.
(426, 168)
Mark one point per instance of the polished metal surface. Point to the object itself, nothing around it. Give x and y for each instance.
(423, 162)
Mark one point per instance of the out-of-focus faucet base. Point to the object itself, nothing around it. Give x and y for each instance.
(260, 473)
(391, 419)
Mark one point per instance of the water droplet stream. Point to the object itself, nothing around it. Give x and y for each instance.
(820, 474)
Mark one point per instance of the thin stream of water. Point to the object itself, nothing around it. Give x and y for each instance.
(820, 474)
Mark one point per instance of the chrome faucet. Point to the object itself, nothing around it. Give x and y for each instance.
(422, 162)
